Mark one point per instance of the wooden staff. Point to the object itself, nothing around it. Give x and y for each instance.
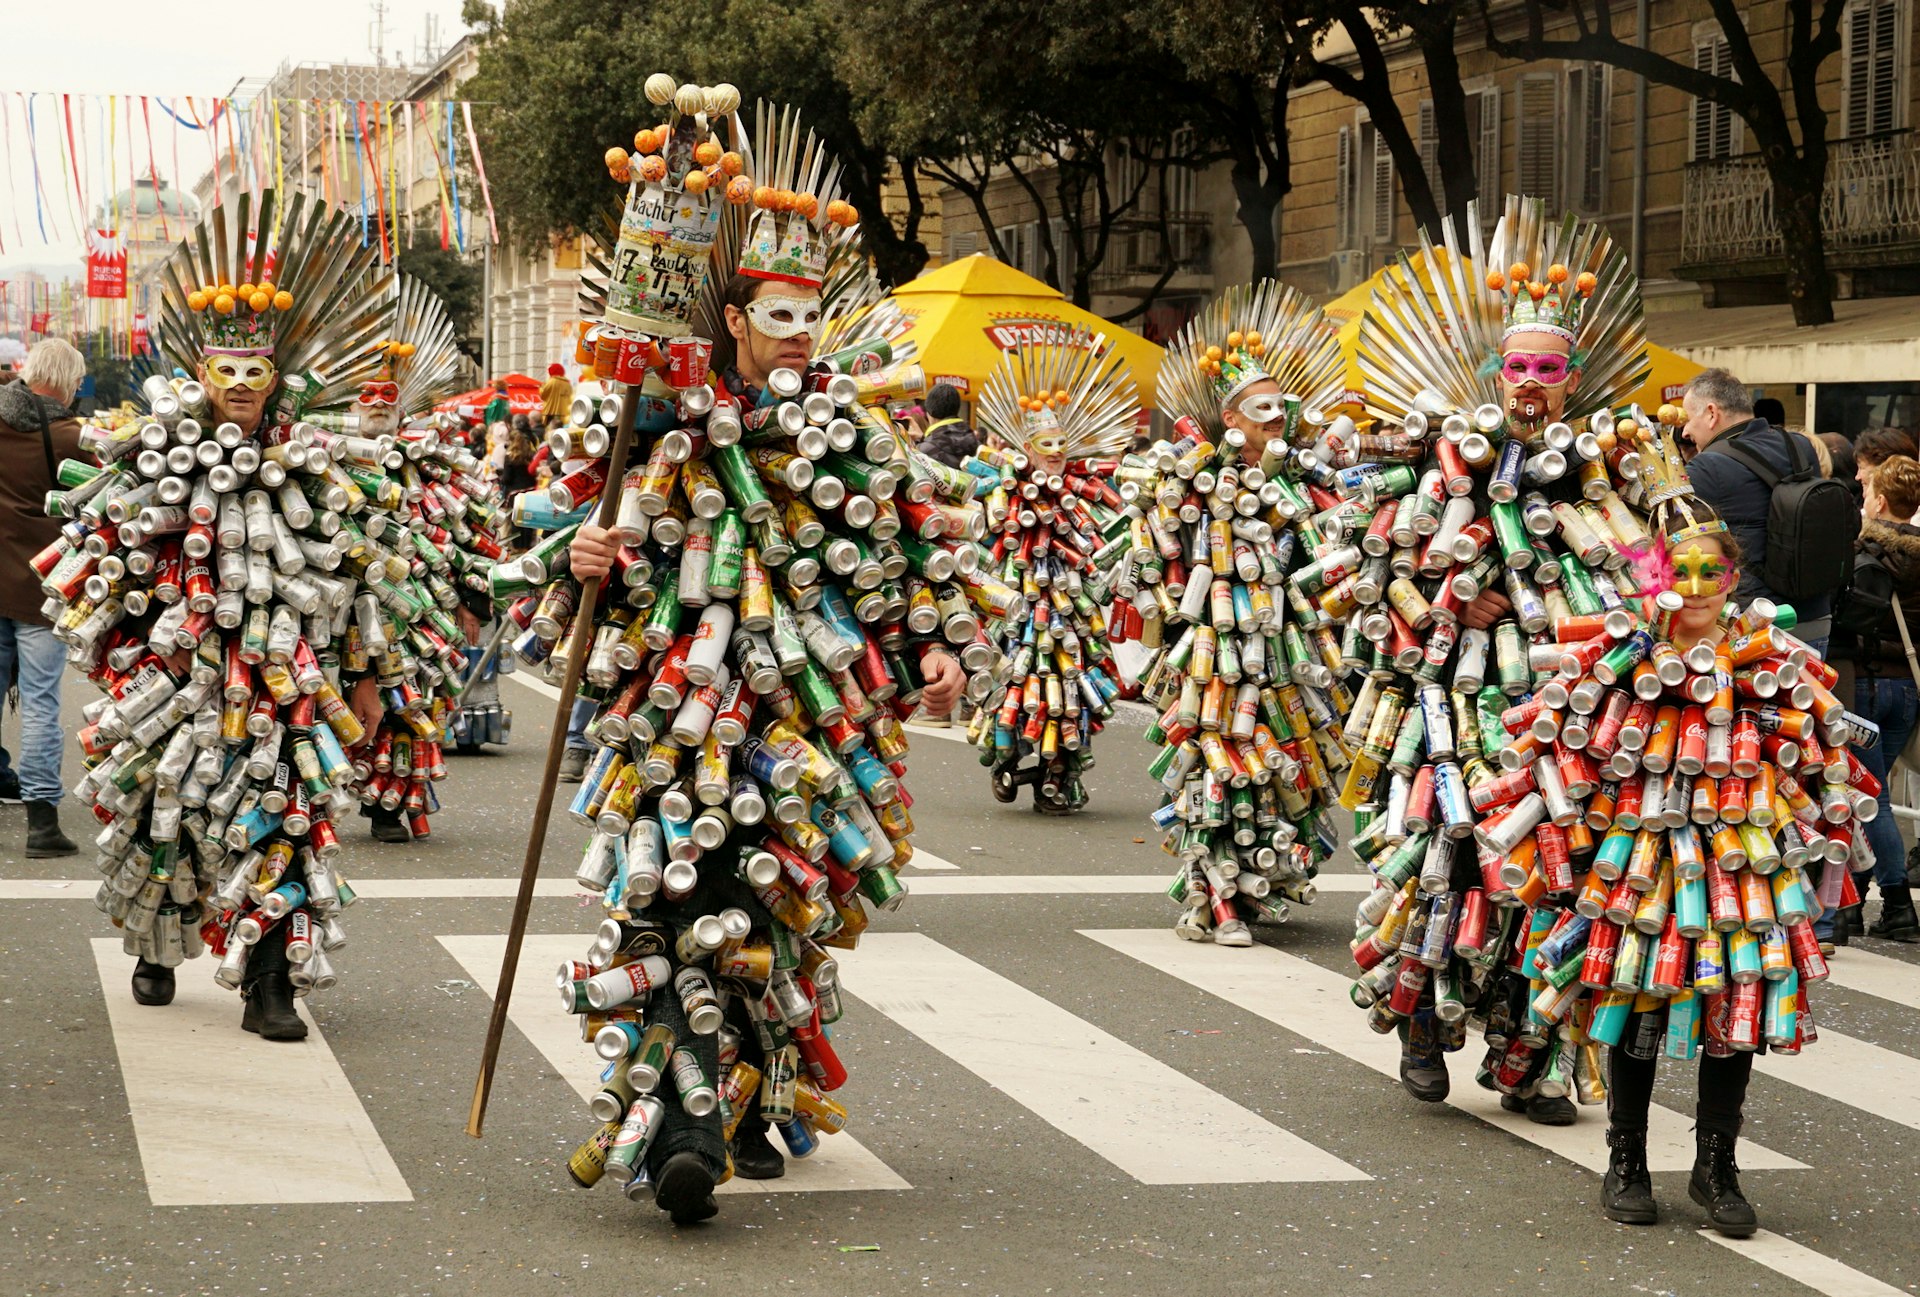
(556, 746)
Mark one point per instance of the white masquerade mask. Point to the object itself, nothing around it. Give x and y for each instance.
(1262, 407)
(780, 317)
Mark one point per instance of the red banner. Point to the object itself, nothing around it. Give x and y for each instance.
(40, 321)
(106, 264)
(140, 339)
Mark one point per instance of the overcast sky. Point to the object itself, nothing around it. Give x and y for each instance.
(168, 48)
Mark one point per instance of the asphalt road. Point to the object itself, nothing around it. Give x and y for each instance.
(1059, 1096)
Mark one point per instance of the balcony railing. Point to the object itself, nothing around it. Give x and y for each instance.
(1871, 200)
(1135, 251)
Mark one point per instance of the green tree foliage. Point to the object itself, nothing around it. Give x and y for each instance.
(456, 279)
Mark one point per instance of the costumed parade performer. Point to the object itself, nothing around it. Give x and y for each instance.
(1657, 786)
(239, 582)
(456, 524)
(1064, 408)
(1238, 566)
(750, 663)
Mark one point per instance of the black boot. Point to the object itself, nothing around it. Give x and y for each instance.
(1897, 921)
(44, 838)
(1715, 1185)
(754, 1156)
(268, 993)
(1626, 1195)
(152, 983)
(683, 1188)
(388, 826)
(1848, 923)
(1542, 1110)
(1423, 1064)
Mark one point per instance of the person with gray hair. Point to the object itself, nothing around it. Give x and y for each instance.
(37, 431)
(1732, 447)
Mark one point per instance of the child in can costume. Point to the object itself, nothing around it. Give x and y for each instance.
(750, 663)
(1235, 547)
(1064, 408)
(1657, 786)
(240, 582)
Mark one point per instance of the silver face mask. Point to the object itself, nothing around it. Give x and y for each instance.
(780, 317)
(1263, 407)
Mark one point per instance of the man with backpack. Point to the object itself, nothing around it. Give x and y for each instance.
(1795, 525)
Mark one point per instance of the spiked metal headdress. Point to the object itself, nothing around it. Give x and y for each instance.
(1439, 326)
(422, 354)
(1077, 386)
(1248, 333)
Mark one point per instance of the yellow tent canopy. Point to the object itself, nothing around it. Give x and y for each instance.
(1669, 374)
(966, 314)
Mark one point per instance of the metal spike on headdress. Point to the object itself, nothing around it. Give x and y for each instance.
(1435, 326)
(336, 327)
(1085, 384)
(1667, 492)
(1299, 349)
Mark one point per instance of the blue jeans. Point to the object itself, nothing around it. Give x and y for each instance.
(1892, 703)
(30, 654)
(583, 710)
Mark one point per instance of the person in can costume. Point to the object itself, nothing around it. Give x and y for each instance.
(456, 524)
(1233, 542)
(247, 591)
(1608, 813)
(744, 795)
(1064, 407)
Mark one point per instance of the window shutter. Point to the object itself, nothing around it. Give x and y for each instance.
(1536, 169)
(962, 243)
(1429, 144)
(1589, 99)
(1381, 221)
(1487, 154)
(1886, 67)
(1343, 203)
(1715, 127)
(1872, 73)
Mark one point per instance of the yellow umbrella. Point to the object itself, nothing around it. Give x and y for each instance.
(966, 314)
(1670, 372)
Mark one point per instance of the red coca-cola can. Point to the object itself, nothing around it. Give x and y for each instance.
(1502, 791)
(1556, 863)
(1743, 1019)
(1603, 943)
(687, 361)
(1470, 935)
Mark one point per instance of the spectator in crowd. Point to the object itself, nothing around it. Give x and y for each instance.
(1845, 466)
(517, 475)
(1720, 414)
(37, 431)
(1771, 409)
(1884, 690)
(497, 409)
(1878, 445)
(948, 438)
(556, 397)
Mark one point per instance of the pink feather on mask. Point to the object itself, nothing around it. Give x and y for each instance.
(1652, 567)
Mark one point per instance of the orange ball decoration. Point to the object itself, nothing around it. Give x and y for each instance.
(224, 303)
(196, 300)
(806, 205)
(731, 164)
(1518, 272)
(1586, 283)
(1556, 274)
(283, 300)
(707, 152)
(616, 158)
(764, 197)
(260, 301)
(653, 168)
(739, 190)
(694, 182)
(246, 290)
(1496, 281)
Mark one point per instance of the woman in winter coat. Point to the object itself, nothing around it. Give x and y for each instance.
(1884, 690)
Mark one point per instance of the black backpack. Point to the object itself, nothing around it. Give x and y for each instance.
(1812, 522)
(1861, 608)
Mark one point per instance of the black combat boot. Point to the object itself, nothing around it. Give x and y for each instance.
(1716, 1185)
(1626, 1195)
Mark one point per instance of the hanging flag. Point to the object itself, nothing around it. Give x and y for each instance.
(106, 264)
(40, 321)
(140, 334)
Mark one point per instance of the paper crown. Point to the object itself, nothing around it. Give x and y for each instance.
(1237, 364)
(239, 320)
(797, 212)
(678, 177)
(1553, 305)
(1678, 514)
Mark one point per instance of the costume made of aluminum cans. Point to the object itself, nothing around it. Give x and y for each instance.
(1580, 834)
(227, 589)
(1235, 559)
(456, 523)
(1064, 407)
(750, 660)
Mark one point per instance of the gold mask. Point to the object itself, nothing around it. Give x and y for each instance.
(1700, 575)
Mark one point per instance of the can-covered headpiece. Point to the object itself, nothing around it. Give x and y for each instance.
(421, 364)
(1249, 333)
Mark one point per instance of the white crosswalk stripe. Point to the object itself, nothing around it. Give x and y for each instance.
(190, 1070)
(1312, 1001)
(1152, 1122)
(842, 1161)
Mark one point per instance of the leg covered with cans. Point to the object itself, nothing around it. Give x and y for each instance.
(1063, 409)
(1235, 568)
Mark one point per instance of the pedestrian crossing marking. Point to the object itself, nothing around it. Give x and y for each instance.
(1311, 1001)
(1154, 1123)
(1877, 975)
(842, 1162)
(190, 1071)
(1823, 1274)
(1847, 1070)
